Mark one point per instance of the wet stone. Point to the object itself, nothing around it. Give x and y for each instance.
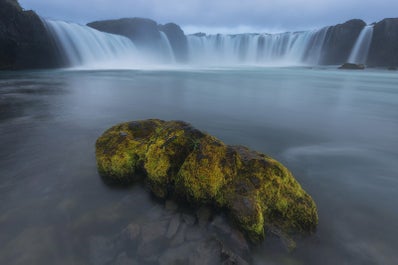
(188, 219)
(179, 238)
(204, 215)
(123, 259)
(173, 226)
(171, 205)
(221, 225)
(132, 231)
(153, 231)
(194, 233)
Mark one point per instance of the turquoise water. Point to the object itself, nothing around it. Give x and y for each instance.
(335, 130)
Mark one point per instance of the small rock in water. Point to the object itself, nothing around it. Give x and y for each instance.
(173, 226)
(188, 219)
(194, 233)
(132, 231)
(352, 66)
(179, 238)
(220, 224)
(123, 259)
(171, 206)
(154, 231)
(204, 214)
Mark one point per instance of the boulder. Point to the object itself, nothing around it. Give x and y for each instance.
(352, 66)
(339, 41)
(24, 41)
(182, 162)
(178, 41)
(383, 50)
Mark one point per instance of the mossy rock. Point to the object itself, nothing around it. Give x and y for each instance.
(180, 161)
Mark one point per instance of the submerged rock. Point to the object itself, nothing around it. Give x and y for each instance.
(352, 66)
(182, 162)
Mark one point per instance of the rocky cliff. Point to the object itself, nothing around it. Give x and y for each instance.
(146, 33)
(24, 42)
(340, 40)
(384, 47)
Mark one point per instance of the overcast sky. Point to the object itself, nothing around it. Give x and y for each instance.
(221, 15)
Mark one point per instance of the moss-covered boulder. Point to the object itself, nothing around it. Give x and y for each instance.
(179, 161)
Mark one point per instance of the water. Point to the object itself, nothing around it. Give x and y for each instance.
(87, 48)
(291, 48)
(359, 53)
(335, 130)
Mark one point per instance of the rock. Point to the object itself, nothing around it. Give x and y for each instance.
(221, 225)
(194, 233)
(154, 231)
(179, 238)
(207, 252)
(123, 259)
(339, 41)
(173, 226)
(178, 41)
(179, 161)
(24, 41)
(177, 256)
(101, 250)
(204, 215)
(170, 205)
(132, 231)
(188, 219)
(392, 68)
(143, 32)
(352, 66)
(383, 50)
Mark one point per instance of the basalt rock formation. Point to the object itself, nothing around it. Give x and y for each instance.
(340, 40)
(384, 47)
(24, 41)
(145, 33)
(182, 162)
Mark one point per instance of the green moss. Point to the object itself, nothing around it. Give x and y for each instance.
(257, 191)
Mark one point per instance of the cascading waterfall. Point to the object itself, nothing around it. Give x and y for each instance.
(83, 46)
(285, 48)
(87, 47)
(168, 50)
(359, 53)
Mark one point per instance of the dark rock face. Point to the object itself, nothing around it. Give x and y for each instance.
(143, 32)
(340, 40)
(146, 33)
(352, 66)
(178, 41)
(24, 41)
(384, 47)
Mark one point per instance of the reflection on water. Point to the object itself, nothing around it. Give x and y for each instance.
(335, 130)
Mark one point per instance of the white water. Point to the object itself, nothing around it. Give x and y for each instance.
(286, 48)
(83, 46)
(168, 50)
(86, 47)
(359, 53)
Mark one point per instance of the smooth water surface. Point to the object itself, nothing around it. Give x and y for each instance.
(335, 130)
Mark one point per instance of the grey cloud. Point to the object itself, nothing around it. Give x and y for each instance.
(283, 14)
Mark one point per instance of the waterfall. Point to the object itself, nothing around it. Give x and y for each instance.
(87, 47)
(167, 49)
(290, 48)
(83, 46)
(359, 53)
